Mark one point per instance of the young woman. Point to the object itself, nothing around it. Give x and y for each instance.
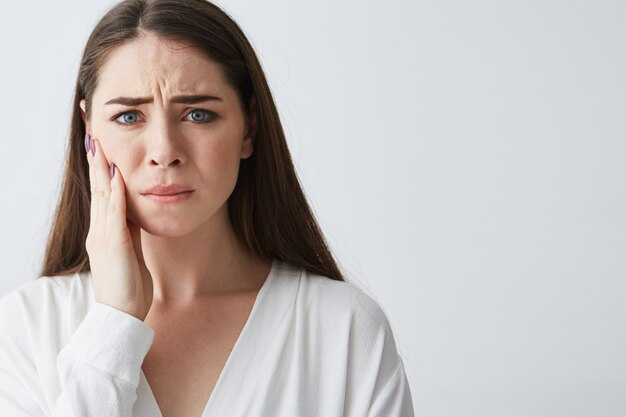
(185, 274)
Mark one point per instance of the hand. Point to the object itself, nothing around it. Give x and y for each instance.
(120, 277)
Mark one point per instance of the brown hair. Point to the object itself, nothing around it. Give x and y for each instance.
(268, 209)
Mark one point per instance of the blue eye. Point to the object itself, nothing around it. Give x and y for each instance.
(199, 112)
(125, 121)
(197, 117)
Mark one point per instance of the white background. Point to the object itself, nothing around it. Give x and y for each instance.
(465, 160)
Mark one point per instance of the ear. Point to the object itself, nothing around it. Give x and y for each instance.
(247, 147)
(83, 114)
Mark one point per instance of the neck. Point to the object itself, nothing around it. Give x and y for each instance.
(206, 262)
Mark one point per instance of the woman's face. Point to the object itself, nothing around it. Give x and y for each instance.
(197, 144)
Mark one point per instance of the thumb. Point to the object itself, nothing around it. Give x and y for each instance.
(135, 234)
(146, 277)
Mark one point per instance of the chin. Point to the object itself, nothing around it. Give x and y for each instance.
(164, 225)
(166, 228)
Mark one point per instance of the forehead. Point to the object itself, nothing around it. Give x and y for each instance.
(149, 63)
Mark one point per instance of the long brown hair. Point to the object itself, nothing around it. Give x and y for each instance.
(268, 209)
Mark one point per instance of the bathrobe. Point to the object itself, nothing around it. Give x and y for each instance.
(311, 347)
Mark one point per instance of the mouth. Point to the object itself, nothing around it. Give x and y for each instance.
(169, 198)
(167, 189)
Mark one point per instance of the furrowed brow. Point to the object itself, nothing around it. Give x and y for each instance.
(188, 99)
(193, 99)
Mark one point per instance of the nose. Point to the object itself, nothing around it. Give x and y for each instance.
(164, 146)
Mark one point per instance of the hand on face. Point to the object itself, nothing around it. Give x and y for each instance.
(119, 273)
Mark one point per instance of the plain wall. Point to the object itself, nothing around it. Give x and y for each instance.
(465, 160)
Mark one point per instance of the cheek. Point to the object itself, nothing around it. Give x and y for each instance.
(215, 159)
(120, 154)
(219, 164)
(126, 160)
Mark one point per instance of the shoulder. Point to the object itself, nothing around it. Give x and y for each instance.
(42, 291)
(347, 303)
(42, 302)
(345, 295)
(351, 327)
(33, 325)
(31, 293)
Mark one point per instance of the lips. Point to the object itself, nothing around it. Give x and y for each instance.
(167, 189)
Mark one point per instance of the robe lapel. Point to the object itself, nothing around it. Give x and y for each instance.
(235, 387)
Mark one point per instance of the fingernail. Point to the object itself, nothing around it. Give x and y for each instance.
(111, 169)
(93, 146)
(87, 142)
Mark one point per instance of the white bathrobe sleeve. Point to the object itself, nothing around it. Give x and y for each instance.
(99, 368)
(383, 389)
(394, 396)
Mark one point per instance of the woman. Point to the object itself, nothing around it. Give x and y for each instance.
(185, 273)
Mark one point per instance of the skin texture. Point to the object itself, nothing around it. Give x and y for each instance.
(189, 248)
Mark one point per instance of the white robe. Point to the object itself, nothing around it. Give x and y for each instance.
(311, 347)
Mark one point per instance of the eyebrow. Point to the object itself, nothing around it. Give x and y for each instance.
(189, 99)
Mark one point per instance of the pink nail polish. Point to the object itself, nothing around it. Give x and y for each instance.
(87, 141)
(111, 170)
(93, 146)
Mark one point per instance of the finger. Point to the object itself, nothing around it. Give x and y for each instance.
(101, 191)
(92, 186)
(116, 215)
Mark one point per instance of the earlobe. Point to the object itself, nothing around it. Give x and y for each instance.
(247, 148)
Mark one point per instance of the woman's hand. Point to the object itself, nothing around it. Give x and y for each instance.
(120, 277)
